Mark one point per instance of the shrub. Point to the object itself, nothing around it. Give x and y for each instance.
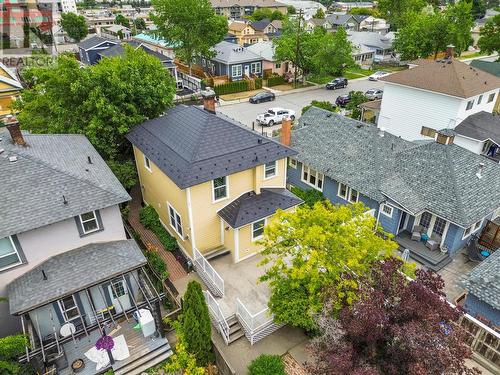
(267, 364)
(323, 105)
(231, 87)
(156, 262)
(309, 196)
(10, 348)
(150, 219)
(125, 172)
(275, 81)
(258, 83)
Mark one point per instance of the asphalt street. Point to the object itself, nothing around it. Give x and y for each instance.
(246, 113)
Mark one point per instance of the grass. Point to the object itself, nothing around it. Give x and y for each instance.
(466, 55)
(240, 95)
(351, 73)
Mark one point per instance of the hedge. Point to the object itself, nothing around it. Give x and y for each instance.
(267, 364)
(231, 87)
(258, 83)
(275, 81)
(150, 219)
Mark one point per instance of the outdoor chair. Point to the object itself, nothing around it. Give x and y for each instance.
(433, 242)
(416, 233)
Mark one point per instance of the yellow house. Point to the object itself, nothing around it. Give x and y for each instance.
(214, 182)
(10, 87)
(244, 32)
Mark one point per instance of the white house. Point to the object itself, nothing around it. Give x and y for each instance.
(434, 95)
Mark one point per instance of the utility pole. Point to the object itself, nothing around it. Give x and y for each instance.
(297, 48)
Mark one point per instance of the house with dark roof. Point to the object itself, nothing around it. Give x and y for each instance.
(345, 20)
(89, 49)
(482, 285)
(492, 67)
(67, 269)
(433, 191)
(435, 95)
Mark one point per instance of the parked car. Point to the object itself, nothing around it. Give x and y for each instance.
(275, 116)
(262, 97)
(377, 75)
(337, 83)
(374, 94)
(342, 100)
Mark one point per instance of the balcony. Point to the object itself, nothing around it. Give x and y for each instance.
(433, 259)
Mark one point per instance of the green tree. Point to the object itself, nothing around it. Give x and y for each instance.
(291, 9)
(323, 105)
(120, 19)
(478, 9)
(125, 172)
(74, 25)
(320, 14)
(309, 196)
(267, 364)
(12, 347)
(140, 24)
(399, 12)
(357, 98)
(489, 36)
(277, 15)
(191, 25)
(312, 249)
(261, 13)
(334, 54)
(365, 11)
(460, 22)
(196, 325)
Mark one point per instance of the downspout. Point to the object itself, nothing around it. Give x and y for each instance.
(378, 215)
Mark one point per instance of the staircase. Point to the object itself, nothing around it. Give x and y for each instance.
(217, 252)
(144, 359)
(235, 329)
(207, 273)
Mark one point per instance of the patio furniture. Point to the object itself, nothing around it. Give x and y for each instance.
(433, 242)
(67, 329)
(424, 237)
(416, 233)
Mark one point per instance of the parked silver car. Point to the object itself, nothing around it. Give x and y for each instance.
(374, 94)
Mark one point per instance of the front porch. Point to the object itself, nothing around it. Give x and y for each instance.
(433, 259)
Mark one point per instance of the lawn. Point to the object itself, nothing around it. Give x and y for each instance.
(470, 55)
(351, 73)
(240, 95)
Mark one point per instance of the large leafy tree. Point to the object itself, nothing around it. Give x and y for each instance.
(315, 249)
(74, 25)
(196, 325)
(489, 36)
(397, 326)
(334, 54)
(120, 19)
(12, 347)
(460, 22)
(399, 12)
(191, 25)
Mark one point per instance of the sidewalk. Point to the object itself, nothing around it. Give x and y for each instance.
(174, 268)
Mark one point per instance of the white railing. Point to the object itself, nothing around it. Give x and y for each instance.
(221, 322)
(203, 266)
(253, 324)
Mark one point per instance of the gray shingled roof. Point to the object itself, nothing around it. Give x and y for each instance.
(72, 271)
(418, 176)
(484, 280)
(94, 41)
(50, 167)
(232, 53)
(251, 207)
(192, 146)
(481, 126)
(118, 50)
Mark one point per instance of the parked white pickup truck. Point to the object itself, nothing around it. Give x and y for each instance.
(275, 116)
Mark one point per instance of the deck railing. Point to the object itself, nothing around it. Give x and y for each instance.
(216, 312)
(254, 324)
(209, 273)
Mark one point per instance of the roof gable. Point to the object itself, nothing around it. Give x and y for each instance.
(94, 42)
(481, 126)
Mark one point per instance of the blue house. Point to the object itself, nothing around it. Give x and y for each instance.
(233, 61)
(432, 195)
(89, 49)
(483, 290)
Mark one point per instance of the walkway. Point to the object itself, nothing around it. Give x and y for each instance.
(174, 268)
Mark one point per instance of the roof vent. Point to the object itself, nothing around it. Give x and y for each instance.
(1, 150)
(89, 160)
(12, 159)
(64, 200)
(381, 132)
(479, 173)
(259, 141)
(44, 275)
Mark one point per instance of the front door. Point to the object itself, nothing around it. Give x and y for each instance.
(402, 222)
(247, 70)
(119, 293)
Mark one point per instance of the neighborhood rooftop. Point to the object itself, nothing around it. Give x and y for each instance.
(251, 207)
(245, 3)
(231, 53)
(481, 126)
(387, 166)
(92, 42)
(55, 178)
(447, 76)
(192, 145)
(119, 50)
(71, 271)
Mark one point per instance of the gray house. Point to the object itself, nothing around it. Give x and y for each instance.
(67, 269)
(431, 195)
(233, 61)
(89, 49)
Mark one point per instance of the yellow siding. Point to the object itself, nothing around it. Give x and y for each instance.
(229, 239)
(157, 190)
(278, 181)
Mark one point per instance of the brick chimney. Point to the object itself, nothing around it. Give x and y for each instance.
(450, 52)
(15, 131)
(445, 136)
(286, 131)
(208, 100)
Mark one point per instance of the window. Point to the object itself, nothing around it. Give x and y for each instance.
(9, 256)
(292, 163)
(470, 103)
(270, 169)
(175, 220)
(425, 220)
(343, 190)
(147, 163)
(353, 195)
(387, 210)
(473, 228)
(220, 188)
(491, 97)
(479, 99)
(278, 65)
(312, 177)
(236, 71)
(258, 229)
(118, 289)
(439, 226)
(255, 67)
(89, 222)
(68, 307)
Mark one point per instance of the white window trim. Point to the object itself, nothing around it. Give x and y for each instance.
(308, 174)
(346, 191)
(16, 251)
(63, 310)
(254, 239)
(236, 67)
(491, 97)
(227, 191)
(255, 67)
(467, 105)
(84, 221)
(349, 195)
(385, 205)
(275, 171)
(480, 99)
(292, 163)
(174, 227)
(146, 162)
(473, 229)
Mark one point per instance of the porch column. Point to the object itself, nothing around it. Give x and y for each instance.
(445, 232)
(431, 225)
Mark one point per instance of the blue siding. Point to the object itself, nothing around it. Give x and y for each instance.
(477, 308)
(454, 240)
(390, 224)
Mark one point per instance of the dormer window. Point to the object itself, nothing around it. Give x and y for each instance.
(9, 253)
(219, 188)
(89, 222)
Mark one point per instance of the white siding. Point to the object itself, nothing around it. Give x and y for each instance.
(470, 144)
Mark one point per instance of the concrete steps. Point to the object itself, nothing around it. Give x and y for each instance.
(216, 253)
(235, 329)
(145, 359)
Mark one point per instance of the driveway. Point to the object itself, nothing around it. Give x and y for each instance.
(246, 113)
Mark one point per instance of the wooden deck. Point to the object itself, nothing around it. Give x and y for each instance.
(138, 345)
(435, 260)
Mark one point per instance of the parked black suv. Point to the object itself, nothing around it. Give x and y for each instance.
(337, 83)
